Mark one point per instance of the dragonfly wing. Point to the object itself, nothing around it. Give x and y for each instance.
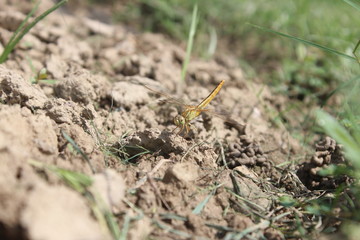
(168, 98)
(228, 119)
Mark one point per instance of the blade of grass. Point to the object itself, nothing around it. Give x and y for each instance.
(145, 151)
(353, 3)
(125, 228)
(355, 50)
(330, 50)
(197, 210)
(77, 148)
(354, 122)
(236, 187)
(255, 207)
(75, 180)
(340, 87)
(22, 24)
(213, 42)
(170, 229)
(105, 216)
(172, 216)
(22, 31)
(260, 226)
(220, 227)
(194, 21)
(341, 135)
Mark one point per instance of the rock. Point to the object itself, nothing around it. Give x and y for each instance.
(16, 90)
(51, 210)
(184, 172)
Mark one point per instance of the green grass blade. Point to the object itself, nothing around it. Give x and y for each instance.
(353, 3)
(220, 227)
(236, 187)
(170, 229)
(22, 24)
(260, 226)
(341, 86)
(9, 47)
(127, 160)
(213, 42)
(172, 216)
(355, 51)
(197, 210)
(194, 21)
(125, 228)
(77, 148)
(22, 32)
(330, 50)
(341, 135)
(77, 181)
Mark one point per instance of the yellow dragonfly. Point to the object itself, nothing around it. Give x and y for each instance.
(183, 120)
(190, 112)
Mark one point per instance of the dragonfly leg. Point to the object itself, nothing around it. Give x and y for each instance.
(181, 129)
(187, 129)
(174, 129)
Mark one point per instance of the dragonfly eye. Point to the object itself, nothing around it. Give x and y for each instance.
(179, 120)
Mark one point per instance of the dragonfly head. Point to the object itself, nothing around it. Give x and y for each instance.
(179, 121)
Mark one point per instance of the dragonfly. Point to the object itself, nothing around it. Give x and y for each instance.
(190, 112)
(183, 120)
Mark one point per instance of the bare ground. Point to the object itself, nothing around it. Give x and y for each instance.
(221, 179)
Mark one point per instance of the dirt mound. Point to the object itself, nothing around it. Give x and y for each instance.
(327, 152)
(98, 115)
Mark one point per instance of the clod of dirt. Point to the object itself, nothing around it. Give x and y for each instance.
(327, 152)
(154, 140)
(141, 229)
(97, 27)
(239, 222)
(11, 20)
(165, 57)
(23, 134)
(87, 145)
(58, 67)
(14, 89)
(245, 152)
(75, 50)
(118, 122)
(128, 95)
(273, 234)
(181, 172)
(82, 87)
(137, 65)
(59, 210)
(168, 144)
(48, 35)
(195, 224)
(62, 111)
(110, 186)
(208, 72)
(247, 180)
(23, 137)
